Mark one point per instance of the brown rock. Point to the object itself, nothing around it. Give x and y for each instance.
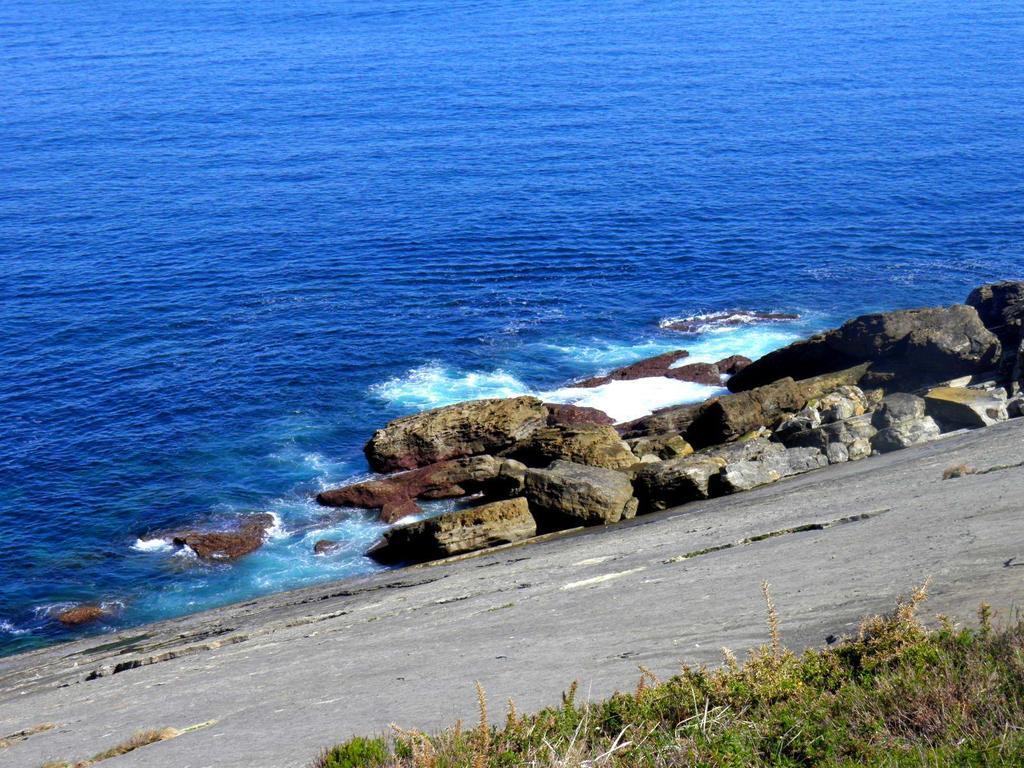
(699, 373)
(729, 417)
(455, 431)
(488, 525)
(81, 614)
(568, 494)
(227, 545)
(561, 414)
(652, 366)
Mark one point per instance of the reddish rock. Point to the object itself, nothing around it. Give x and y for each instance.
(653, 366)
(81, 614)
(733, 364)
(394, 511)
(560, 414)
(227, 545)
(443, 480)
(699, 373)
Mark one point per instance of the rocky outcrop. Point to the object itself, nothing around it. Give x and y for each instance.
(395, 495)
(906, 349)
(677, 481)
(230, 544)
(455, 431)
(488, 525)
(567, 494)
(955, 407)
(560, 414)
(727, 418)
(1001, 308)
(591, 444)
(901, 422)
(652, 366)
(82, 614)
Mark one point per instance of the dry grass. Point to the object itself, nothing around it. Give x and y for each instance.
(14, 738)
(137, 741)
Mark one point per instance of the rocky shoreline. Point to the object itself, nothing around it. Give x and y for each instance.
(878, 383)
(519, 468)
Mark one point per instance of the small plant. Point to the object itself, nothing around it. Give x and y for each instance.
(356, 753)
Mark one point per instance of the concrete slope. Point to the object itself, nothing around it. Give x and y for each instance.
(284, 675)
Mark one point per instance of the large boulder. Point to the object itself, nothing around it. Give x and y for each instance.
(955, 407)
(768, 467)
(230, 544)
(455, 431)
(567, 494)
(907, 349)
(901, 422)
(487, 525)
(592, 444)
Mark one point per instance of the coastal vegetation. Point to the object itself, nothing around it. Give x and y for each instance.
(896, 694)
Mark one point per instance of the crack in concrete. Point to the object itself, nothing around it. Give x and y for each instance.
(774, 534)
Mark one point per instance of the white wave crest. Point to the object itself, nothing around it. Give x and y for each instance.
(8, 628)
(433, 385)
(277, 530)
(628, 400)
(152, 545)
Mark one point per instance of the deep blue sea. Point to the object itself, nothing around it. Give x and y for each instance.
(237, 237)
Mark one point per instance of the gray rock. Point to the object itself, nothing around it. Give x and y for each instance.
(801, 421)
(905, 433)
(678, 481)
(898, 407)
(768, 467)
(488, 525)
(568, 494)
(837, 453)
(859, 449)
(844, 403)
(957, 407)
(1015, 407)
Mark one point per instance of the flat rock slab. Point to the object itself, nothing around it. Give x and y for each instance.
(285, 675)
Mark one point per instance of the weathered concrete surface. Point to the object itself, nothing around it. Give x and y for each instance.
(283, 675)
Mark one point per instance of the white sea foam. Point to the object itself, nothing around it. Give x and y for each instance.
(628, 400)
(277, 530)
(152, 545)
(434, 385)
(8, 628)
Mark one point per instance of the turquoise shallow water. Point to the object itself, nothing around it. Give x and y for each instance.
(234, 239)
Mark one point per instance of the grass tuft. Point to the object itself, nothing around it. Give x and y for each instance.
(896, 694)
(960, 470)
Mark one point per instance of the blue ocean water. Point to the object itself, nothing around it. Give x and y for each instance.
(236, 238)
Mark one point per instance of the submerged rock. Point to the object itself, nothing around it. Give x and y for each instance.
(82, 614)
(249, 536)
(567, 494)
(729, 318)
(455, 431)
(595, 445)
(326, 547)
(487, 525)
(962, 407)
(906, 349)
